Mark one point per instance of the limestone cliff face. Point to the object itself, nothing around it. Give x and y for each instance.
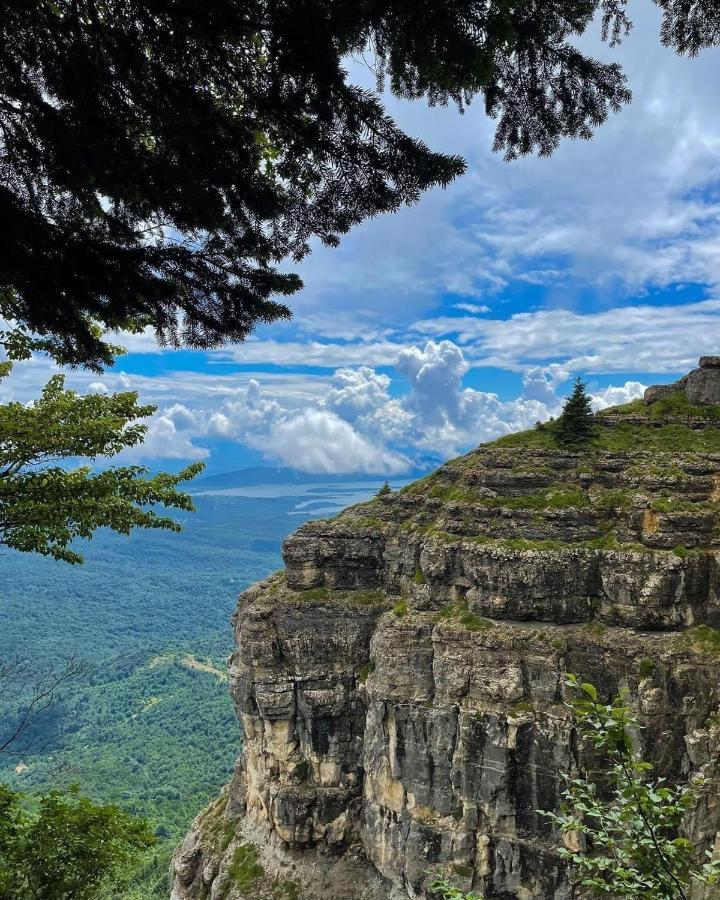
(401, 683)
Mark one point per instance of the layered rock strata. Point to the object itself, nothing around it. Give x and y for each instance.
(401, 682)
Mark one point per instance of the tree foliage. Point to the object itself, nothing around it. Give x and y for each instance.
(576, 425)
(159, 159)
(625, 833)
(45, 506)
(68, 849)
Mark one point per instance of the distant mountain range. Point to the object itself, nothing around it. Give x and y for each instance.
(256, 475)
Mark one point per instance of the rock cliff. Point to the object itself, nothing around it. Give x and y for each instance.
(401, 682)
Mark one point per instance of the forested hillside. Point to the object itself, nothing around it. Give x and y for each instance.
(151, 726)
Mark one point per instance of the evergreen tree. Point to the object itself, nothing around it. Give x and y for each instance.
(384, 490)
(575, 426)
(160, 159)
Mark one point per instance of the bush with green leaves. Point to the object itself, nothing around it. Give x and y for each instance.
(624, 835)
(447, 891)
(64, 846)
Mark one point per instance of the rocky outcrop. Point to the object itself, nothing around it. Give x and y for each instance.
(701, 387)
(401, 682)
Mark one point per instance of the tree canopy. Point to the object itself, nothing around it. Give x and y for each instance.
(159, 159)
(45, 505)
(69, 848)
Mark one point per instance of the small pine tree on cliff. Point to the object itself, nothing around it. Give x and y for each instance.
(576, 424)
(384, 490)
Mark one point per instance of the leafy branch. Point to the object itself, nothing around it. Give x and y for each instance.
(624, 836)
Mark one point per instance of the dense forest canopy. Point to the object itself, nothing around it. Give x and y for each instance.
(160, 158)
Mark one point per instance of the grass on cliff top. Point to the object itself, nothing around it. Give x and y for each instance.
(675, 404)
(625, 437)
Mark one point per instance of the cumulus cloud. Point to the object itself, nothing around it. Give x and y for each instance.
(164, 440)
(358, 426)
(357, 420)
(317, 440)
(541, 382)
(357, 392)
(615, 396)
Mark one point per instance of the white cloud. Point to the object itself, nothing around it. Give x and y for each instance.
(474, 308)
(164, 440)
(357, 420)
(317, 440)
(357, 392)
(615, 396)
(540, 382)
(637, 338)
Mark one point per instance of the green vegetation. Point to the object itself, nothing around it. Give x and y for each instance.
(627, 437)
(401, 608)
(674, 405)
(647, 666)
(448, 891)
(631, 823)
(419, 577)
(244, 869)
(519, 709)
(556, 497)
(286, 890)
(366, 670)
(365, 597)
(220, 830)
(576, 426)
(384, 490)
(683, 552)
(145, 730)
(64, 846)
(154, 734)
(702, 638)
(459, 611)
(44, 506)
(313, 595)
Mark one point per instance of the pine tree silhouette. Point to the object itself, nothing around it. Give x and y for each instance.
(576, 424)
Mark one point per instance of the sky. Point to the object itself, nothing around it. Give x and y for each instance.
(467, 316)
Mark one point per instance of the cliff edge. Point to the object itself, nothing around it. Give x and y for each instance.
(401, 682)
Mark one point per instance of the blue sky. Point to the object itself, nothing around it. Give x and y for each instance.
(467, 316)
